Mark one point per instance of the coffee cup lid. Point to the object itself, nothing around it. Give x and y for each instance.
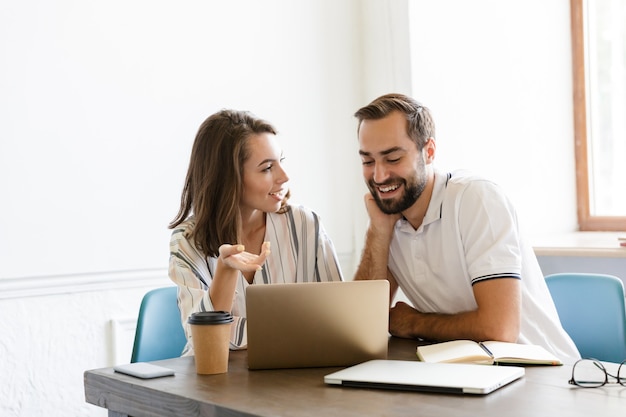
(210, 317)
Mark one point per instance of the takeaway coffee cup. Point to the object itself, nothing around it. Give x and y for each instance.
(210, 331)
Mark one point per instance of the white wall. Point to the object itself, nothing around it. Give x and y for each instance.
(498, 77)
(101, 100)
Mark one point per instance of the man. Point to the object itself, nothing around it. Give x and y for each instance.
(450, 241)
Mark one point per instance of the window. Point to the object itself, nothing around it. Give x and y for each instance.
(599, 64)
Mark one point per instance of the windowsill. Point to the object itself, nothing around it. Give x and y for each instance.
(584, 244)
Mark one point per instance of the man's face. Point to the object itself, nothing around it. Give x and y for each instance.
(393, 169)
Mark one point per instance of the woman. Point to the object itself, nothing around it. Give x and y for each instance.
(233, 207)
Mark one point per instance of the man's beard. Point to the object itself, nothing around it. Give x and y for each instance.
(413, 189)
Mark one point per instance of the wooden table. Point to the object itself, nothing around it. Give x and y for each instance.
(544, 391)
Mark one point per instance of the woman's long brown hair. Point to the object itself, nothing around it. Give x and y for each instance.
(214, 183)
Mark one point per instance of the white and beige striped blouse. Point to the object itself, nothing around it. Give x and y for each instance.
(301, 252)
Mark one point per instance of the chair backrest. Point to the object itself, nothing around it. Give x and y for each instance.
(159, 333)
(591, 309)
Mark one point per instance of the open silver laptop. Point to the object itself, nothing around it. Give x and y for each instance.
(453, 378)
(317, 324)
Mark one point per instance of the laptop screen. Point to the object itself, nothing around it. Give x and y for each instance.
(317, 324)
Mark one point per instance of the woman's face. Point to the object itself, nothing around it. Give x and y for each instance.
(264, 180)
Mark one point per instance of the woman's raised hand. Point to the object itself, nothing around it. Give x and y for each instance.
(236, 257)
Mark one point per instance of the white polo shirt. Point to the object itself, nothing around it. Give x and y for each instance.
(470, 233)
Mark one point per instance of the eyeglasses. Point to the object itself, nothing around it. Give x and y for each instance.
(590, 373)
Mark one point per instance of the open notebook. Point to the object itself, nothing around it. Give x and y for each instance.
(423, 376)
(317, 324)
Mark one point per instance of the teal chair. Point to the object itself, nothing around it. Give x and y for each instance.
(592, 312)
(159, 333)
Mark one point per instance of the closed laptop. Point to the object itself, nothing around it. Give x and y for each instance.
(451, 378)
(318, 324)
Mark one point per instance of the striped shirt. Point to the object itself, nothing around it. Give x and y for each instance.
(301, 252)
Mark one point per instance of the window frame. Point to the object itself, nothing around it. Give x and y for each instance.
(586, 221)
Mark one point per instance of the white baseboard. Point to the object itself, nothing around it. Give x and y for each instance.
(98, 281)
(76, 283)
